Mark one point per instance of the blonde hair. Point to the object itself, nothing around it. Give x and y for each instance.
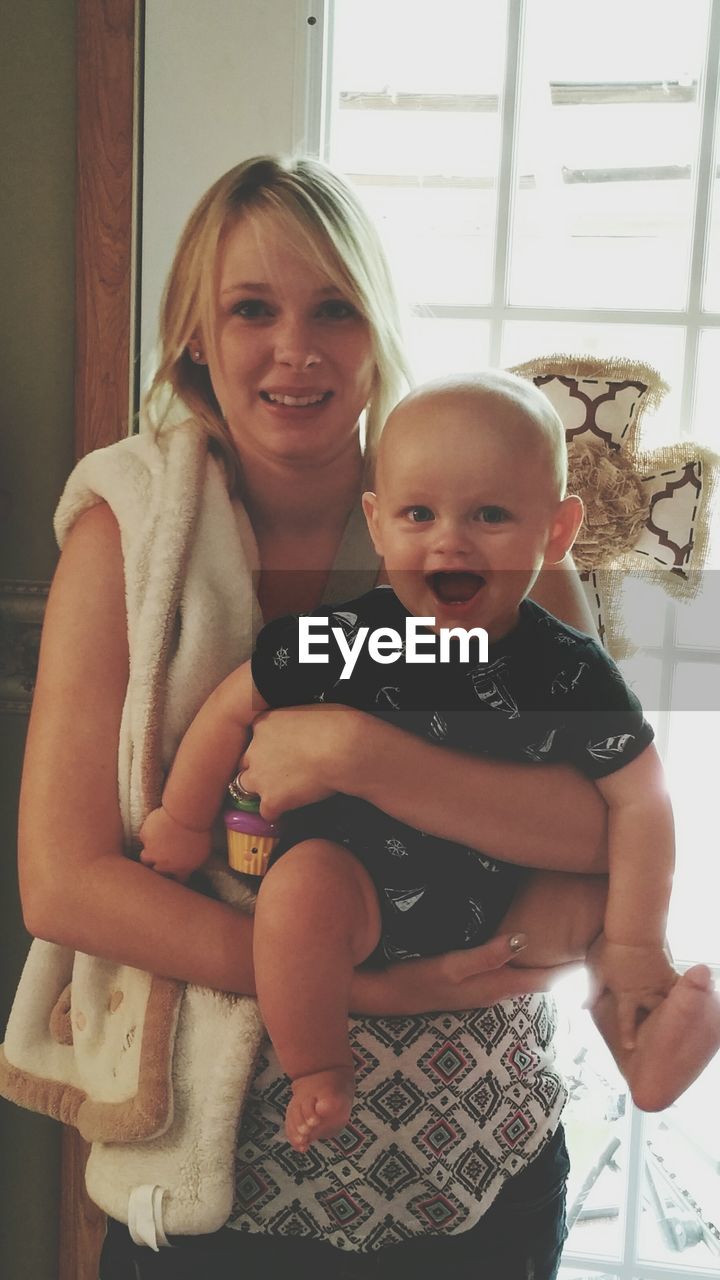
(320, 213)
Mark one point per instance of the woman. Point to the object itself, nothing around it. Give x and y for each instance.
(279, 331)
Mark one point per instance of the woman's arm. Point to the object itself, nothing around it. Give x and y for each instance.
(77, 889)
(537, 816)
(472, 979)
(558, 589)
(544, 816)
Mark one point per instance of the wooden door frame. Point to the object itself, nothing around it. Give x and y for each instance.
(108, 48)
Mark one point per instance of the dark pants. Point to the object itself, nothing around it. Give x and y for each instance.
(519, 1238)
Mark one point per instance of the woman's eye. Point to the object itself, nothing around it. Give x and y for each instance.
(492, 515)
(337, 309)
(252, 309)
(420, 515)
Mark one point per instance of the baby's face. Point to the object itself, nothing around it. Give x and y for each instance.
(464, 513)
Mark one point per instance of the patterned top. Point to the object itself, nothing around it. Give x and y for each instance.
(447, 1107)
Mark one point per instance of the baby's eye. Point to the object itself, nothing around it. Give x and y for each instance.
(337, 309)
(252, 309)
(492, 515)
(419, 515)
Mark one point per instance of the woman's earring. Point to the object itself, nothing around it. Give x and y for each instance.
(195, 354)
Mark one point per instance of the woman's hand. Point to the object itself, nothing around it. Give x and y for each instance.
(292, 758)
(471, 979)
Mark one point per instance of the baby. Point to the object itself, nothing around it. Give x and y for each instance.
(469, 505)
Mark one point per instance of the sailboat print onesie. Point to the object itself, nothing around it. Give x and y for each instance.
(547, 694)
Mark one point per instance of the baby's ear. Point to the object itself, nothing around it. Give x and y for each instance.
(370, 507)
(564, 528)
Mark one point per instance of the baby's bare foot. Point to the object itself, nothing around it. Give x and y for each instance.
(320, 1106)
(676, 1041)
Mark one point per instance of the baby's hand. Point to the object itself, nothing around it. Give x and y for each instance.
(638, 977)
(170, 848)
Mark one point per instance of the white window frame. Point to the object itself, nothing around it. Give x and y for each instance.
(311, 130)
(315, 129)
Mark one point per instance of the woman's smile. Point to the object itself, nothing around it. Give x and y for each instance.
(295, 399)
(294, 403)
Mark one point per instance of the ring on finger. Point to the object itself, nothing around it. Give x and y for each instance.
(238, 791)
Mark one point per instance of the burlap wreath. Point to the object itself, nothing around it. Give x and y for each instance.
(617, 504)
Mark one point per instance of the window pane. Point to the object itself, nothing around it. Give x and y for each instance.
(697, 621)
(644, 607)
(682, 1180)
(596, 1126)
(696, 689)
(441, 347)
(438, 239)
(609, 129)
(661, 346)
(580, 1273)
(415, 121)
(691, 765)
(706, 417)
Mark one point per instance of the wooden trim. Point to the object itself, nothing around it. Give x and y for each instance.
(82, 1224)
(104, 220)
(105, 68)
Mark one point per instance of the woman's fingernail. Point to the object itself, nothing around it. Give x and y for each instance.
(518, 941)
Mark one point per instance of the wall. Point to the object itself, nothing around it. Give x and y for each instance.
(36, 428)
(210, 99)
(222, 81)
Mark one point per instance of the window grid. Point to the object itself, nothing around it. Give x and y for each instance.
(695, 315)
(630, 1268)
(575, 1263)
(508, 133)
(692, 319)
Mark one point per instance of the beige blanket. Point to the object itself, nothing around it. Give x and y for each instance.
(153, 1074)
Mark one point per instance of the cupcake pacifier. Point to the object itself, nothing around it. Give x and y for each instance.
(250, 839)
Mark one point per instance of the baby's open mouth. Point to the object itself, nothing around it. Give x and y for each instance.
(455, 588)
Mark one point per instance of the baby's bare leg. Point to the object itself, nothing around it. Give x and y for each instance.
(562, 916)
(316, 919)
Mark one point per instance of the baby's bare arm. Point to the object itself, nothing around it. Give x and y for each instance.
(641, 852)
(176, 837)
(208, 755)
(631, 963)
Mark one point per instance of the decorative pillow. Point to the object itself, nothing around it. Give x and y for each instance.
(646, 511)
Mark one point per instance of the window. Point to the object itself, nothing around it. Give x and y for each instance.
(545, 177)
